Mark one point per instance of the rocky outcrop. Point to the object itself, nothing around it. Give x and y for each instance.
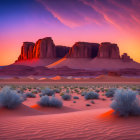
(44, 48)
(126, 58)
(26, 51)
(61, 51)
(108, 50)
(83, 50)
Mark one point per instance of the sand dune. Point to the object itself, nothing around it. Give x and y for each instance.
(94, 64)
(73, 121)
(22, 110)
(51, 110)
(71, 126)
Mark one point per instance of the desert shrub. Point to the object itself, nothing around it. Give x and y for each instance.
(23, 97)
(66, 97)
(9, 98)
(75, 97)
(48, 92)
(76, 90)
(19, 91)
(125, 87)
(47, 102)
(44, 101)
(102, 89)
(30, 95)
(83, 93)
(91, 95)
(54, 102)
(57, 90)
(138, 91)
(134, 88)
(67, 90)
(88, 105)
(126, 103)
(13, 87)
(92, 102)
(110, 92)
(61, 94)
(81, 88)
(34, 91)
(111, 99)
(106, 90)
(38, 89)
(97, 90)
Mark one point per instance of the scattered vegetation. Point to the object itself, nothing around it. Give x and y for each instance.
(66, 97)
(48, 92)
(92, 102)
(30, 95)
(83, 93)
(110, 92)
(75, 97)
(57, 90)
(88, 105)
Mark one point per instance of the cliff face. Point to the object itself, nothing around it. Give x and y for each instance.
(26, 51)
(108, 50)
(83, 50)
(43, 48)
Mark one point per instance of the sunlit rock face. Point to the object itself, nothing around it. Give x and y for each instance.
(44, 48)
(83, 50)
(126, 58)
(108, 50)
(26, 51)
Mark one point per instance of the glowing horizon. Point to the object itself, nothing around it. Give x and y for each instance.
(68, 22)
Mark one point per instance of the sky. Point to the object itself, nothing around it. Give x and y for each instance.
(69, 21)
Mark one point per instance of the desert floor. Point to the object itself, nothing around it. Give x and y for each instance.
(73, 121)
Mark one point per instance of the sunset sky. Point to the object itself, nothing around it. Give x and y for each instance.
(69, 21)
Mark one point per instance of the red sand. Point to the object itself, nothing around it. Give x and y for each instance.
(74, 121)
(76, 125)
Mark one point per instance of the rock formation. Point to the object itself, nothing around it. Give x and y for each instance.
(108, 50)
(126, 58)
(43, 48)
(26, 51)
(83, 50)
